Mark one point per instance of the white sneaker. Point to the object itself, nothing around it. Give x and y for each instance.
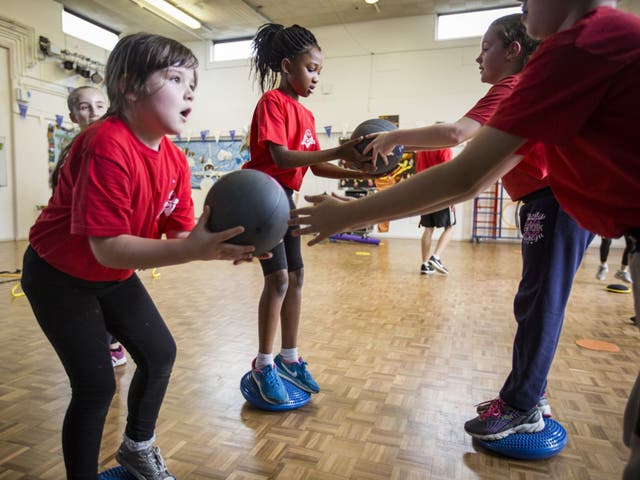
(623, 275)
(602, 272)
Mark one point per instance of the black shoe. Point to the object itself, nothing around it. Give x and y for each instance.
(435, 263)
(426, 269)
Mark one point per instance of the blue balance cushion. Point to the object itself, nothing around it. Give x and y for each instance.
(530, 446)
(116, 473)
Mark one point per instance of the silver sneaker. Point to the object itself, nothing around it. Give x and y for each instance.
(144, 464)
(602, 272)
(623, 275)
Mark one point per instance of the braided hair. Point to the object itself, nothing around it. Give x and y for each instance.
(511, 29)
(272, 44)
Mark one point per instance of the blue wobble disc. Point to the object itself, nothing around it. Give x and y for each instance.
(249, 390)
(530, 446)
(116, 473)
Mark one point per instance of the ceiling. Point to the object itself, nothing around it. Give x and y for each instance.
(227, 19)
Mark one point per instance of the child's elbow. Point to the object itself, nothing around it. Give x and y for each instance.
(456, 135)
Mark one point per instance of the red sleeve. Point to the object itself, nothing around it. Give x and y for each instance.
(271, 116)
(487, 105)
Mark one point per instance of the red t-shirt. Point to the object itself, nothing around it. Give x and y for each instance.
(530, 174)
(282, 120)
(112, 184)
(430, 158)
(580, 96)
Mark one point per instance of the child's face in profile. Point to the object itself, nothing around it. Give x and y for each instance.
(493, 60)
(303, 72)
(91, 104)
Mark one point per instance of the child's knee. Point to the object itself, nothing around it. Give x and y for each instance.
(296, 279)
(277, 283)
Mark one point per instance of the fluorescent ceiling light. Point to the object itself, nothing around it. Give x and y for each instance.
(175, 13)
(469, 24)
(87, 31)
(370, 2)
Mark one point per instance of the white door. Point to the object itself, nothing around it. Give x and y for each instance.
(7, 206)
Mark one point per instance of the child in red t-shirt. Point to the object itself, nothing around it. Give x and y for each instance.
(122, 186)
(284, 145)
(552, 246)
(577, 96)
(444, 218)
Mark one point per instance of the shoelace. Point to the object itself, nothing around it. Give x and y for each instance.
(303, 369)
(156, 461)
(271, 376)
(494, 410)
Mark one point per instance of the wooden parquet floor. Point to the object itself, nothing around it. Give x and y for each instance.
(401, 359)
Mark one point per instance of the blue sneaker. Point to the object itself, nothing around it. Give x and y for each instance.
(297, 374)
(271, 387)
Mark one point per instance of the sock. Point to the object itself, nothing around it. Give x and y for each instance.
(263, 359)
(134, 446)
(426, 264)
(289, 355)
(435, 256)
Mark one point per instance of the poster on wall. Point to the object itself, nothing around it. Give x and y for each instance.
(209, 159)
(57, 139)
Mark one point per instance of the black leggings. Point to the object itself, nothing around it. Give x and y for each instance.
(606, 244)
(75, 315)
(286, 255)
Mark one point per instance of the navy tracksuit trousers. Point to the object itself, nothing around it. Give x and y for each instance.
(552, 248)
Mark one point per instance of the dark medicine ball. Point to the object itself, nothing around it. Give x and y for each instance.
(254, 200)
(376, 125)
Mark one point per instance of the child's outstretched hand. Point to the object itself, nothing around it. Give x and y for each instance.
(323, 219)
(207, 245)
(353, 157)
(381, 144)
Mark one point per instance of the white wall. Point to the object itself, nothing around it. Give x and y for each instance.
(366, 74)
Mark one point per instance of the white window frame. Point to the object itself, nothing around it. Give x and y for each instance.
(470, 23)
(230, 60)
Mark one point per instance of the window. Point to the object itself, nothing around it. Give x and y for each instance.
(88, 31)
(469, 24)
(231, 50)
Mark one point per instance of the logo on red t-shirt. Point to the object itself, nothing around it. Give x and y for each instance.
(308, 139)
(170, 204)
